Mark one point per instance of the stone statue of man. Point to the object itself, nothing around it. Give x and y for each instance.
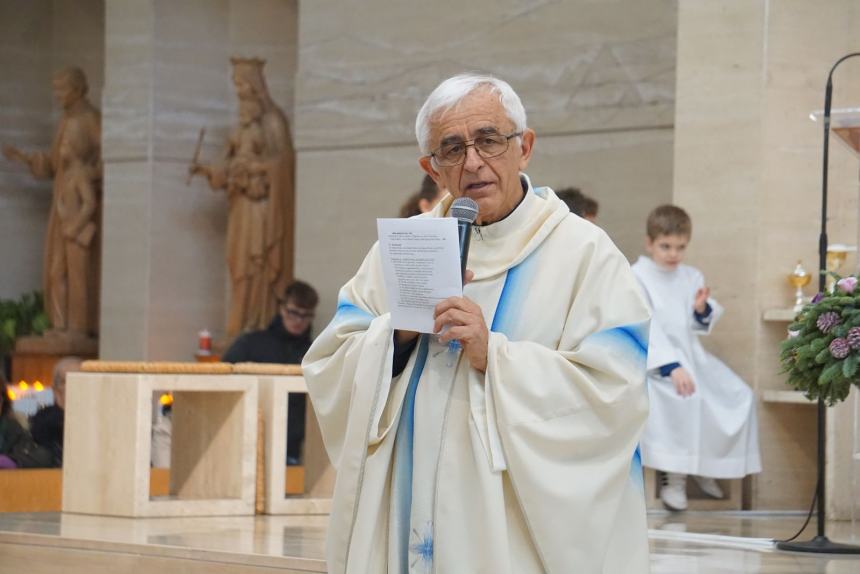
(256, 172)
(70, 267)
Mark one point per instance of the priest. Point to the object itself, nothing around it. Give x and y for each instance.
(518, 453)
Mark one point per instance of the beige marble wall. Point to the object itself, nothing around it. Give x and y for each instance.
(747, 167)
(78, 40)
(36, 39)
(168, 74)
(596, 78)
(629, 171)
(268, 29)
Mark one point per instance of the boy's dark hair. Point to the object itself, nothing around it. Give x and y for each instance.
(589, 206)
(668, 220)
(577, 202)
(302, 294)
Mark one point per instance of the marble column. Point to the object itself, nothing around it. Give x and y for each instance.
(163, 277)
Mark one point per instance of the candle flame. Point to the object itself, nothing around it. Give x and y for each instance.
(38, 386)
(11, 394)
(23, 385)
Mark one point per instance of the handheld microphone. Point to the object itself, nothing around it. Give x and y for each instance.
(465, 211)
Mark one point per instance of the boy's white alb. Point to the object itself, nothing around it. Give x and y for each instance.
(713, 432)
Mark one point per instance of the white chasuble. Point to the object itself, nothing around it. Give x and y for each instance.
(530, 467)
(713, 432)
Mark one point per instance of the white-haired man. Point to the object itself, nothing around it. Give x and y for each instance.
(520, 456)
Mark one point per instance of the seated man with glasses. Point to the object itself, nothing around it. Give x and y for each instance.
(515, 451)
(285, 340)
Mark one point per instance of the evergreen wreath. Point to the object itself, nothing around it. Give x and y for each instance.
(822, 352)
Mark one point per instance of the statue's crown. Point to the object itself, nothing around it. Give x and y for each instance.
(247, 62)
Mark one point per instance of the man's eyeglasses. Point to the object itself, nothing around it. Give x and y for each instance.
(298, 314)
(488, 146)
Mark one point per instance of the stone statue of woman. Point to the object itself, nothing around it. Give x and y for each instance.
(256, 172)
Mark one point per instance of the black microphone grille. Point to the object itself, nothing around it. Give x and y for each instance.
(465, 209)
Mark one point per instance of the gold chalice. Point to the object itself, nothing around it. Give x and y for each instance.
(837, 253)
(799, 278)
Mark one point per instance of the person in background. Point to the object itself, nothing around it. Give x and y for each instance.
(46, 425)
(423, 200)
(589, 208)
(578, 203)
(285, 340)
(703, 417)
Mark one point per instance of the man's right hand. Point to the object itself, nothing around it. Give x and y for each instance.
(683, 382)
(408, 336)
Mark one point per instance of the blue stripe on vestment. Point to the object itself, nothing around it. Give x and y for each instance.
(631, 339)
(349, 316)
(636, 473)
(514, 292)
(403, 448)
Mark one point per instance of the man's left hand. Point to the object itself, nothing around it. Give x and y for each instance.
(465, 322)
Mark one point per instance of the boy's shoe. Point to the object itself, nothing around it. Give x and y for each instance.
(709, 486)
(673, 490)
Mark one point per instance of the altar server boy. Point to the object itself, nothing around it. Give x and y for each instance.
(703, 418)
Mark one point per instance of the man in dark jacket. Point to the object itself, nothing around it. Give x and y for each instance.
(285, 340)
(46, 425)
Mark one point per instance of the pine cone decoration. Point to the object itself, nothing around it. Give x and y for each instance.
(854, 338)
(839, 348)
(826, 321)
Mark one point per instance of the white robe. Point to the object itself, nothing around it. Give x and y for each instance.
(530, 467)
(713, 432)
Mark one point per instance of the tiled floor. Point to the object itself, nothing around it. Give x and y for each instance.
(691, 543)
(717, 542)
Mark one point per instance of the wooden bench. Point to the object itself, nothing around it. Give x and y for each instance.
(41, 489)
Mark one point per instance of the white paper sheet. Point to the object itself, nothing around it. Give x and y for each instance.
(421, 267)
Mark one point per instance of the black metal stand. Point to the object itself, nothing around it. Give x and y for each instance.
(819, 544)
(822, 544)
